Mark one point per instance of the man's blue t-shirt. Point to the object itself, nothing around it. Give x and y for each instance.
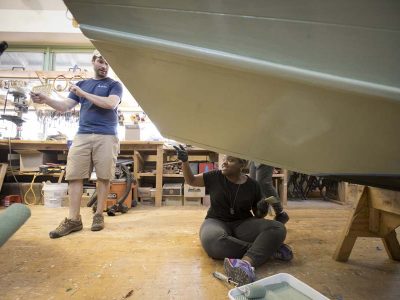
(95, 119)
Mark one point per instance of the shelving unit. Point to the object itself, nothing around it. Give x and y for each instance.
(159, 157)
(143, 152)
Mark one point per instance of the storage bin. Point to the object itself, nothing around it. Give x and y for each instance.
(296, 284)
(53, 194)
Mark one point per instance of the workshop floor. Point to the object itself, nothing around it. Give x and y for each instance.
(155, 253)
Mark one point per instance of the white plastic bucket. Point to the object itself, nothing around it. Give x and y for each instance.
(53, 194)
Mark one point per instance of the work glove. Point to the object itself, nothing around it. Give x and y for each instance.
(181, 153)
(262, 207)
(280, 215)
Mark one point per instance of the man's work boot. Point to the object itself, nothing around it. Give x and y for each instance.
(66, 227)
(98, 222)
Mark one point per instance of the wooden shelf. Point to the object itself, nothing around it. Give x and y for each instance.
(146, 175)
(17, 74)
(278, 175)
(154, 175)
(142, 152)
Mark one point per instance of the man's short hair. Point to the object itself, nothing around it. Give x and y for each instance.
(96, 54)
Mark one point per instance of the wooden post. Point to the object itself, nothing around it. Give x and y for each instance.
(60, 178)
(3, 171)
(159, 175)
(137, 166)
(283, 191)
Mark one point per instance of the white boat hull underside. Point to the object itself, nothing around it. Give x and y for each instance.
(311, 86)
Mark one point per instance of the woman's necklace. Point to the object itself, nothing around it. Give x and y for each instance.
(232, 208)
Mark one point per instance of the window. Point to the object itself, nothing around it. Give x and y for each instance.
(20, 59)
(64, 61)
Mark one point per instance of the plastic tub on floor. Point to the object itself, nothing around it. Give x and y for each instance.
(53, 194)
(306, 291)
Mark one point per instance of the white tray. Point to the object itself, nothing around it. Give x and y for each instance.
(278, 278)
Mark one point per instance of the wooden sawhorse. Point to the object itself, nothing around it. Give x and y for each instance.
(376, 214)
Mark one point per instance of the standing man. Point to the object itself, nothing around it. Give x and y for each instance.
(95, 145)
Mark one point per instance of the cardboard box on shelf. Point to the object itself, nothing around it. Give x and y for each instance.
(147, 201)
(132, 132)
(30, 160)
(172, 189)
(192, 201)
(193, 191)
(173, 200)
(144, 192)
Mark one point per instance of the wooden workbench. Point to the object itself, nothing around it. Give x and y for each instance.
(126, 148)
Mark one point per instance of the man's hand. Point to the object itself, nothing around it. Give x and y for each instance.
(77, 90)
(38, 98)
(282, 217)
(182, 153)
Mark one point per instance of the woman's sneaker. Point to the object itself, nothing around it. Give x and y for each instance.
(66, 227)
(284, 253)
(240, 271)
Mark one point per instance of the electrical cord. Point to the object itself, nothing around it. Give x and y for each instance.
(33, 192)
(11, 167)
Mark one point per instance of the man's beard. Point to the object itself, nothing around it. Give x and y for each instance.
(100, 74)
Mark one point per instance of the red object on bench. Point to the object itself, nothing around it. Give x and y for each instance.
(10, 199)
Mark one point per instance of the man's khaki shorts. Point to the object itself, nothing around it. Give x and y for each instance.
(92, 150)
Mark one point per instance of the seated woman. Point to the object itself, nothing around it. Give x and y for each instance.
(235, 229)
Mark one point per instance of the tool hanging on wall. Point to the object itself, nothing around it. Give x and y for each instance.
(21, 104)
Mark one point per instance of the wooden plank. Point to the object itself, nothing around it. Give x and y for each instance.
(60, 178)
(37, 145)
(136, 167)
(347, 240)
(62, 145)
(342, 192)
(283, 186)
(388, 222)
(139, 157)
(159, 176)
(385, 200)
(18, 74)
(392, 245)
(146, 175)
(374, 220)
(3, 172)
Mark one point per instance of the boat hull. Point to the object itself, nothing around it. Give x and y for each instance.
(316, 109)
